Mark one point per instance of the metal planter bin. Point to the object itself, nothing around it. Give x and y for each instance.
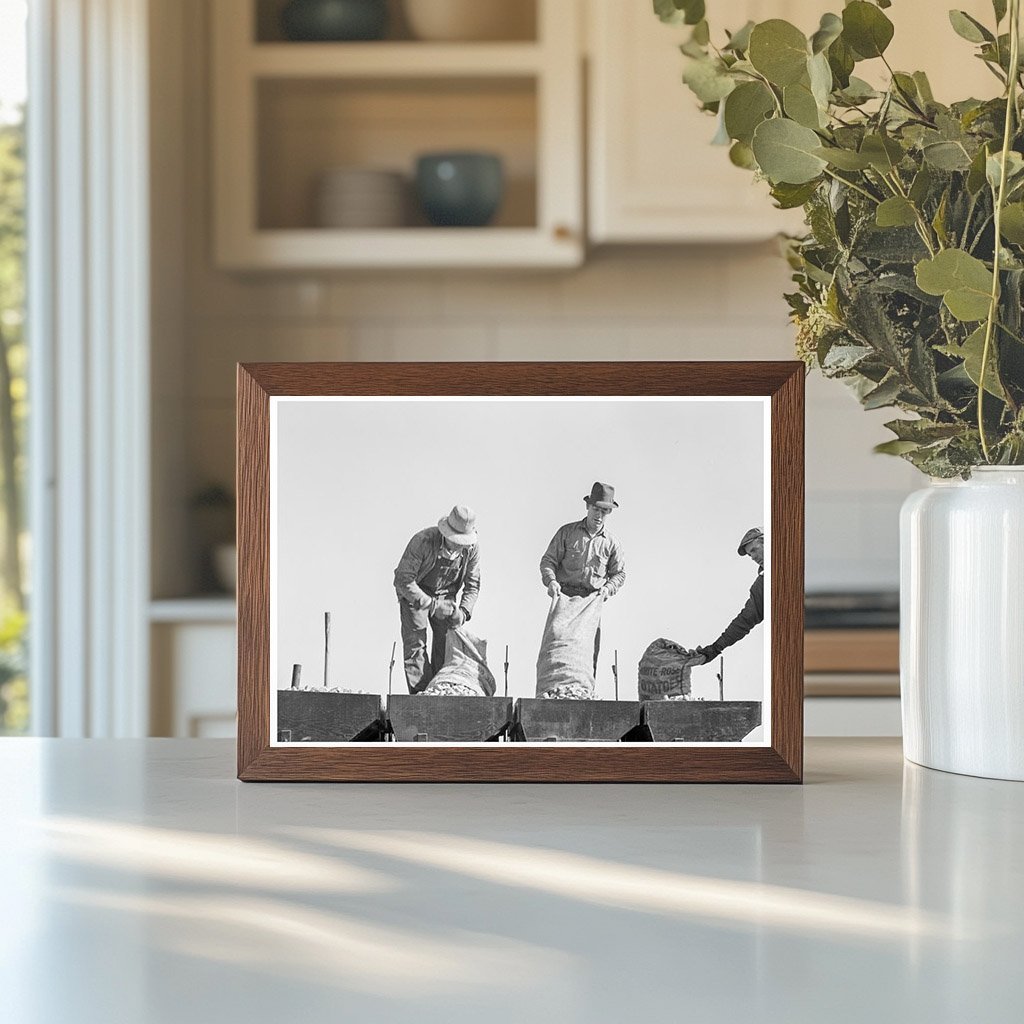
(322, 717)
(700, 721)
(574, 721)
(413, 718)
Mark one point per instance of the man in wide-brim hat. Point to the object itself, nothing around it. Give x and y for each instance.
(751, 546)
(437, 582)
(583, 557)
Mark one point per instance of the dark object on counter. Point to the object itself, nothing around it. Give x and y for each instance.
(857, 610)
(332, 21)
(460, 189)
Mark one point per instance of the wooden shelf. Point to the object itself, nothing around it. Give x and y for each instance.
(400, 247)
(393, 60)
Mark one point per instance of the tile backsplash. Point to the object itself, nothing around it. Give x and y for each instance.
(718, 302)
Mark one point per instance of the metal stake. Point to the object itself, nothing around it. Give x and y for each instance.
(506, 670)
(615, 672)
(296, 676)
(391, 667)
(721, 678)
(327, 645)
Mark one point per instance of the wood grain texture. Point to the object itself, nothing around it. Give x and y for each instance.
(783, 382)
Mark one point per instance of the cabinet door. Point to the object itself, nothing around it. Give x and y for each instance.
(653, 174)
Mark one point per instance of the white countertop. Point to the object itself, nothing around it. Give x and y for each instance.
(144, 885)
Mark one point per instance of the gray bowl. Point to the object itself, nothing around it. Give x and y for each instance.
(334, 20)
(460, 189)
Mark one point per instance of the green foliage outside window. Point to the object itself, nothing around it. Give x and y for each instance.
(13, 413)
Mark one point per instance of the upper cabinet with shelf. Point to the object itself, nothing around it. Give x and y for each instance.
(287, 115)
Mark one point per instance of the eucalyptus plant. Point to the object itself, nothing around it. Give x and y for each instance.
(910, 278)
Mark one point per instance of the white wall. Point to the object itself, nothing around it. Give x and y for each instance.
(715, 302)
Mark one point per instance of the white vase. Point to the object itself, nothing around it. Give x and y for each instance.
(962, 624)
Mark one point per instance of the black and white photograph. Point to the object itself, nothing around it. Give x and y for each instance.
(464, 570)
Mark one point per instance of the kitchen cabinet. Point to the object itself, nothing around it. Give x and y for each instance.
(287, 113)
(653, 175)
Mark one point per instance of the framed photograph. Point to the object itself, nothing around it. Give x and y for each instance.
(520, 572)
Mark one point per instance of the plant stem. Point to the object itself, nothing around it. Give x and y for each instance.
(993, 308)
(855, 187)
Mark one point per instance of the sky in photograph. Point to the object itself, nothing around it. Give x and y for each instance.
(356, 479)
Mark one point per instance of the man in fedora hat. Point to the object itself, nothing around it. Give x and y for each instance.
(752, 546)
(583, 557)
(436, 565)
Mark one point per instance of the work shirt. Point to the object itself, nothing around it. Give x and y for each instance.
(429, 569)
(581, 559)
(749, 616)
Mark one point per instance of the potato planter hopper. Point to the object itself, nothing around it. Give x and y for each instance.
(700, 721)
(319, 716)
(539, 719)
(426, 719)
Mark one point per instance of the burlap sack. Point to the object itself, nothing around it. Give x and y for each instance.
(566, 656)
(464, 672)
(665, 670)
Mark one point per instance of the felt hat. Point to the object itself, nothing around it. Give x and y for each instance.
(753, 534)
(459, 526)
(603, 496)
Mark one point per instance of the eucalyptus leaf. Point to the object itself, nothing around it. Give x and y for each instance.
(994, 168)
(999, 8)
(963, 281)
(741, 155)
(895, 212)
(883, 153)
(895, 447)
(820, 76)
(844, 159)
(924, 88)
(969, 28)
(739, 41)
(946, 156)
(866, 29)
(785, 152)
(841, 60)
(789, 197)
(1011, 225)
(779, 51)
(708, 81)
(675, 12)
(800, 105)
(745, 108)
(972, 352)
(829, 30)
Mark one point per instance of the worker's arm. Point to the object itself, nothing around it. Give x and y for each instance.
(615, 572)
(471, 586)
(750, 615)
(552, 558)
(408, 590)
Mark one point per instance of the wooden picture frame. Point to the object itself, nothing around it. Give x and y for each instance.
(780, 759)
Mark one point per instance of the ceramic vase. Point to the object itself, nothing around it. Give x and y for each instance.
(962, 624)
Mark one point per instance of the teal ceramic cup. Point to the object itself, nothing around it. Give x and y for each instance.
(460, 189)
(334, 21)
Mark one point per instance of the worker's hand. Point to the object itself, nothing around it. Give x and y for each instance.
(704, 654)
(554, 589)
(443, 608)
(605, 593)
(458, 618)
